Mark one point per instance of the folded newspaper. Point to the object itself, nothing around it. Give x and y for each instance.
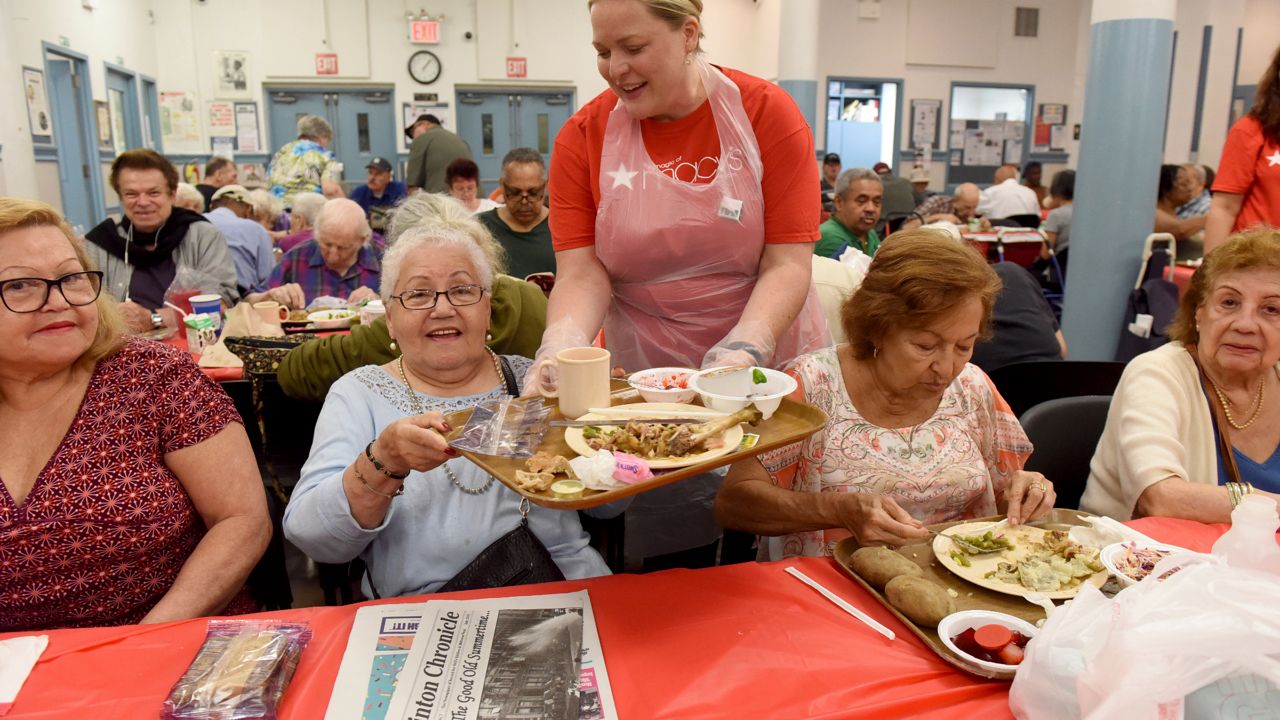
(531, 656)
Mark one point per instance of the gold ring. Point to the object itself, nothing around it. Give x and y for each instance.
(1037, 485)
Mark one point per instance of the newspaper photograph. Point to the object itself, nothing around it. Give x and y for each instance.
(523, 649)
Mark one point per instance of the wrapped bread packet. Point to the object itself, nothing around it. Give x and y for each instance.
(241, 671)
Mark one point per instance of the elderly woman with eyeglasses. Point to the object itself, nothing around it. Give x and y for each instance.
(381, 482)
(130, 492)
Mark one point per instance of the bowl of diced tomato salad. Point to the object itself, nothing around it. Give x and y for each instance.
(664, 384)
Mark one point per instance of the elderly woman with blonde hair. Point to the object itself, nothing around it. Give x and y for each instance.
(518, 310)
(382, 483)
(131, 494)
(1194, 425)
(916, 434)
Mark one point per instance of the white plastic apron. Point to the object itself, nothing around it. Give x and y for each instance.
(684, 258)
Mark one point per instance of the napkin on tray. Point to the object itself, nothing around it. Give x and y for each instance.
(241, 321)
(1103, 531)
(17, 657)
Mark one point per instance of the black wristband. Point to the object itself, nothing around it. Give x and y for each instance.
(368, 452)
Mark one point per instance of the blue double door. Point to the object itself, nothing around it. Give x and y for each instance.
(363, 120)
(493, 122)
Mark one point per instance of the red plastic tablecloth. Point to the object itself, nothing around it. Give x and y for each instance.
(743, 641)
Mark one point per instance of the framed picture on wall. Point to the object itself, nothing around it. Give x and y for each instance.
(38, 116)
(231, 74)
(102, 111)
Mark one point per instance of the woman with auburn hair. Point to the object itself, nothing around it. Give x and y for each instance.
(130, 492)
(1194, 425)
(916, 434)
(1246, 190)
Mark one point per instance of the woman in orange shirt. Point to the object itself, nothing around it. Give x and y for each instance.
(683, 215)
(1246, 191)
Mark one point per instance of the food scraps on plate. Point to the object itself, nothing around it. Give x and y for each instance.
(651, 440)
(1054, 563)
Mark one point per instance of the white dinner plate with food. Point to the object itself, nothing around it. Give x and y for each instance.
(1009, 574)
(722, 443)
(332, 319)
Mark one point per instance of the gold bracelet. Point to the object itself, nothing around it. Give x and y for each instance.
(360, 476)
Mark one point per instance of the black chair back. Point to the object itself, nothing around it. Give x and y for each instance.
(1065, 434)
(1026, 384)
(1029, 220)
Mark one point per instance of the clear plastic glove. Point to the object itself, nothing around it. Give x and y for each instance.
(542, 377)
(748, 344)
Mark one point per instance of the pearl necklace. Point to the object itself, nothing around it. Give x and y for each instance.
(1257, 408)
(417, 410)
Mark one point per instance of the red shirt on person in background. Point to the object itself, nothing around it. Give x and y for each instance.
(1250, 167)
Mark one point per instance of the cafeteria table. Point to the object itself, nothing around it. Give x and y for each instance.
(739, 641)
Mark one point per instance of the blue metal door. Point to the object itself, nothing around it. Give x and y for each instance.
(538, 117)
(363, 121)
(151, 115)
(122, 98)
(365, 128)
(284, 107)
(485, 122)
(70, 118)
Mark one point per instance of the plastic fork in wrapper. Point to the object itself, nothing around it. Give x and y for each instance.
(511, 427)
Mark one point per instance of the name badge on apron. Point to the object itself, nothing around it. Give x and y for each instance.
(731, 209)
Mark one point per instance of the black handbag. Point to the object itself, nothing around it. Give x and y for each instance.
(517, 558)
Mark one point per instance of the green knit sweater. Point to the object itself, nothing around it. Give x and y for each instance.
(518, 310)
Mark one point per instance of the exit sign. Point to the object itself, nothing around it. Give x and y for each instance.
(326, 63)
(424, 31)
(517, 67)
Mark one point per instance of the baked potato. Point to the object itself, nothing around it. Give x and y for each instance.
(879, 565)
(919, 599)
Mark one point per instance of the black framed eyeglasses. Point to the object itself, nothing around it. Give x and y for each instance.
(516, 194)
(29, 294)
(458, 295)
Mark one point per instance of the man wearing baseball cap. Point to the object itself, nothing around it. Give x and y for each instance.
(249, 242)
(379, 194)
(430, 153)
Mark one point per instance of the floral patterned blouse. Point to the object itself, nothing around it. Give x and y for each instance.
(954, 465)
(107, 526)
(301, 166)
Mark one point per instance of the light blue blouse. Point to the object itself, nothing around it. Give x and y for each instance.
(434, 529)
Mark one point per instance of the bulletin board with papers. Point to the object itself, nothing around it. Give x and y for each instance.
(985, 145)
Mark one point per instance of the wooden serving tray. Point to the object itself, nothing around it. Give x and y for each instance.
(791, 423)
(969, 596)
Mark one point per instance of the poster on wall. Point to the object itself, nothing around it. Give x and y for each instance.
(924, 122)
(179, 123)
(223, 147)
(102, 111)
(247, 128)
(222, 119)
(37, 105)
(230, 74)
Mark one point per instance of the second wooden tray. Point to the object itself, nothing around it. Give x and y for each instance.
(968, 595)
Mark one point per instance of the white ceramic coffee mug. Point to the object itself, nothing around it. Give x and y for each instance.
(271, 311)
(584, 380)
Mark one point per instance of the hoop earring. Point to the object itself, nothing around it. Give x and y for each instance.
(688, 59)
(875, 351)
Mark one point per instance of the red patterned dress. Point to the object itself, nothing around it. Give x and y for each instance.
(107, 526)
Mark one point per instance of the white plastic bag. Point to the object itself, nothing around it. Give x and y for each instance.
(1214, 624)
